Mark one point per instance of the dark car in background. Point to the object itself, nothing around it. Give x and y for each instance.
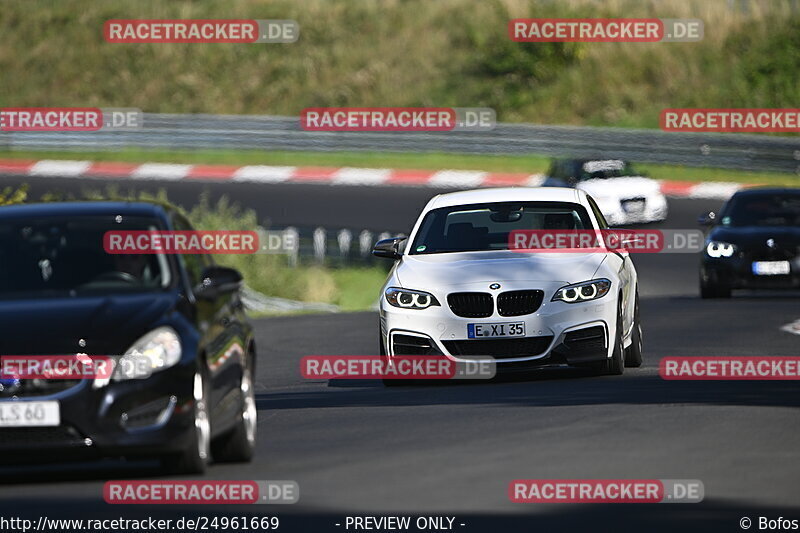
(182, 315)
(753, 243)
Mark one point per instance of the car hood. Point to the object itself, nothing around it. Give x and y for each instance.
(429, 272)
(756, 236)
(627, 187)
(108, 324)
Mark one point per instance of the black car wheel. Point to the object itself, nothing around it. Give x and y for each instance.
(239, 445)
(709, 289)
(195, 458)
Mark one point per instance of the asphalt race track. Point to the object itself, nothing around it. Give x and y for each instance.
(357, 448)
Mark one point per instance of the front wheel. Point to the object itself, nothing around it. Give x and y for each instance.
(239, 445)
(615, 365)
(712, 288)
(633, 355)
(195, 458)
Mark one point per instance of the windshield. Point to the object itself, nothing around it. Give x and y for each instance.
(607, 168)
(484, 227)
(52, 256)
(763, 210)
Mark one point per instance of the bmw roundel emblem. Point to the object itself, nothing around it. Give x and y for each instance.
(494, 286)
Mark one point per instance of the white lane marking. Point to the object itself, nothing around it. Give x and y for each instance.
(714, 190)
(361, 176)
(457, 178)
(161, 171)
(67, 169)
(264, 173)
(794, 327)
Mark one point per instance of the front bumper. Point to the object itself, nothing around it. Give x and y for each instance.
(557, 333)
(149, 416)
(736, 272)
(617, 212)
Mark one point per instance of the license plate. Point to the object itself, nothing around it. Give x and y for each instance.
(770, 268)
(633, 206)
(505, 329)
(19, 414)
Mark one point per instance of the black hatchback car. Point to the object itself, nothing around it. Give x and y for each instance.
(753, 243)
(62, 294)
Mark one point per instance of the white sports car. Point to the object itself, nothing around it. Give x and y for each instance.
(457, 289)
(623, 195)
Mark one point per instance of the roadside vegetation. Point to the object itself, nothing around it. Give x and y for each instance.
(404, 53)
(350, 288)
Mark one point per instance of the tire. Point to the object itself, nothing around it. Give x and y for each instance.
(194, 459)
(615, 366)
(239, 445)
(707, 291)
(633, 355)
(714, 289)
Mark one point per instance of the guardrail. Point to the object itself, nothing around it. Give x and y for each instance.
(182, 132)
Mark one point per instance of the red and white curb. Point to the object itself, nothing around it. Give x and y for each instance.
(443, 179)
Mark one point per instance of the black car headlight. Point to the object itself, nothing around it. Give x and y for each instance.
(156, 350)
(720, 249)
(410, 299)
(583, 292)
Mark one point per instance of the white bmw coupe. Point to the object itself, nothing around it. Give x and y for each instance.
(457, 289)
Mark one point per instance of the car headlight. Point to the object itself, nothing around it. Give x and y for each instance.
(720, 249)
(157, 350)
(410, 299)
(583, 292)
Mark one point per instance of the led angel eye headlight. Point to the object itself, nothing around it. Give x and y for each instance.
(410, 299)
(719, 249)
(583, 292)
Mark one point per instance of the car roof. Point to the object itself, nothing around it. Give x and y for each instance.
(82, 208)
(507, 194)
(755, 191)
(582, 160)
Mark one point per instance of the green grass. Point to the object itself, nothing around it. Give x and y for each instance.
(403, 53)
(433, 161)
(358, 288)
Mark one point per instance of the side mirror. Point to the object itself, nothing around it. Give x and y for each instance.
(218, 280)
(388, 248)
(707, 219)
